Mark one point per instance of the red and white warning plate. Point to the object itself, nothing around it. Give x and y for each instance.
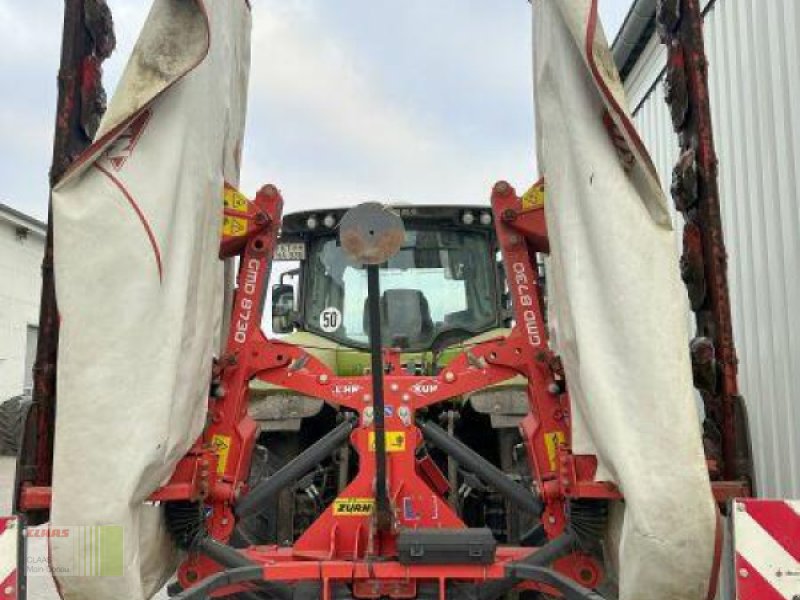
(8, 558)
(766, 537)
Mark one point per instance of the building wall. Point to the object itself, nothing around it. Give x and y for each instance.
(20, 285)
(753, 49)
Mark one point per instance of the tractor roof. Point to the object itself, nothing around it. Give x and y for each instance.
(452, 215)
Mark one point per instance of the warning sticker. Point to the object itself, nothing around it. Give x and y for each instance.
(534, 197)
(234, 226)
(552, 440)
(353, 507)
(395, 441)
(222, 444)
(234, 200)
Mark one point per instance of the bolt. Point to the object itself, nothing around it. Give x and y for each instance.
(509, 215)
(323, 379)
(553, 388)
(269, 190)
(369, 415)
(502, 188)
(449, 377)
(367, 398)
(191, 575)
(744, 573)
(551, 519)
(406, 398)
(394, 387)
(8, 591)
(224, 521)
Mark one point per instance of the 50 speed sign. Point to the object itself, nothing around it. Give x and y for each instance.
(330, 319)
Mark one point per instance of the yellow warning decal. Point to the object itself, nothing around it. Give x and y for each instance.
(234, 200)
(552, 440)
(395, 441)
(534, 197)
(234, 226)
(222, 444)
(353, 507)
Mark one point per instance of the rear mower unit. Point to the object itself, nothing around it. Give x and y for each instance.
(395, 525)
(391, 532)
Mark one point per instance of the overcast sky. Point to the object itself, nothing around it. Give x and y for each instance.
(352, 100)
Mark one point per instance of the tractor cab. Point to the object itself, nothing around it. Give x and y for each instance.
(441, 288)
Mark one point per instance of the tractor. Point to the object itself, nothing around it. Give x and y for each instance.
(443, 292)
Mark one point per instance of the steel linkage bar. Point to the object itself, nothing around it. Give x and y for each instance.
(482, 468)
(382, 508)
(256, 500)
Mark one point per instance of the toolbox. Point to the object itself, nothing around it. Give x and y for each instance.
(446, 546)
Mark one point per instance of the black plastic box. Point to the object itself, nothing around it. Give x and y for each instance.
(446, 547)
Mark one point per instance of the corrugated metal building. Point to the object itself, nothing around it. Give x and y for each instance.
(753, 49)
(21, 251)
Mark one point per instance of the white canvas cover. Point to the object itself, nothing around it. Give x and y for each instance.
(139, 285)
(619, 310)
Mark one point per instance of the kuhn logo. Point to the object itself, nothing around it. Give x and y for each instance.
(423, 388)
(345, 389)
(122, 148)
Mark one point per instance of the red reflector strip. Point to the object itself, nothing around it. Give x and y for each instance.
(8, 558)
(766, 544)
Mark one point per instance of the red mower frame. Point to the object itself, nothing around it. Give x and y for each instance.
(345, 545)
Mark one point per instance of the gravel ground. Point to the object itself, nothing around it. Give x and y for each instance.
(40, 587)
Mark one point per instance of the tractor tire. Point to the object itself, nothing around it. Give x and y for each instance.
(12, 418)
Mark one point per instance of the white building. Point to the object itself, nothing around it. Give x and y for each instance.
(21, 252)
(753, 49)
